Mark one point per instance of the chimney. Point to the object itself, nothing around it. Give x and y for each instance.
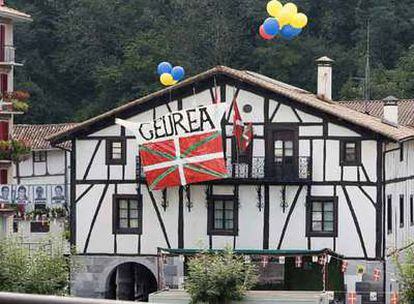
(325, 78)
(391, 111)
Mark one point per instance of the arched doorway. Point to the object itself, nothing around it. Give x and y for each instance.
(131, 282)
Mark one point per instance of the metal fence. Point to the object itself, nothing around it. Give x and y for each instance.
(16, 298)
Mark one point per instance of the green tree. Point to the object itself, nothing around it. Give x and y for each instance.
(42, 271)
(406, 274)
(219, 278)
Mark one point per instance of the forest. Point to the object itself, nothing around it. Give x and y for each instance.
(83, 57)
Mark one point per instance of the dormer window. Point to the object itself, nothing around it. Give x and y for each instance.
(115, 151)
(350, 153)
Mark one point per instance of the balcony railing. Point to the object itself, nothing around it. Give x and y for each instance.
(300, 169)
(257, 169)
(7, 54)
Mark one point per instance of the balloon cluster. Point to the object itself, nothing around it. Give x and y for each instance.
(170, 75)
(284, 21)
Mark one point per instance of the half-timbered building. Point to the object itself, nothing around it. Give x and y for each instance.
(314, 183)
(43, 172)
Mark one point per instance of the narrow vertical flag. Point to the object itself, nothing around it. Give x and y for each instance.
(352, 298)
(298, 262)
(344, 266)
(238, 126)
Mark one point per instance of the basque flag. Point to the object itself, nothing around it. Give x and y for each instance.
(186, 160)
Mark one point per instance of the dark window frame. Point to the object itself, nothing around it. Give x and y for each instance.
(211, 211)
(110, 160)
(115, 214)
(389, 214)
(343, 160)
(411, 210)
(39, 156)
(310, 201)
(402, 152)
(402, 210)
(37, 224)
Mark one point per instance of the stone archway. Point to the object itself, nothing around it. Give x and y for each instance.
(130, 281)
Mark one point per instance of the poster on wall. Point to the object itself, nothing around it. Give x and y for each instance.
(22, 195)
(40, 195)
(5, 194)
(58, 194)
(32, 194)
(182, 147)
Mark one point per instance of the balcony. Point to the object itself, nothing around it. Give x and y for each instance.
(299, 170)
(259, 169)
(7, 55)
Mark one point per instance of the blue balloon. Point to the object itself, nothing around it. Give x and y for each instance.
(164, 67)
(271, 26)
(289, 32)
(178, 73)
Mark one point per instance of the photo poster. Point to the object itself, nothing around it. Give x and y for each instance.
(33, 194)
(182, 147)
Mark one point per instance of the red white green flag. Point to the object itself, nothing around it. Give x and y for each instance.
(181, 148)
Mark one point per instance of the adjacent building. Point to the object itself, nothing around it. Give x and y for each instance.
(8, 62)
(313, 201)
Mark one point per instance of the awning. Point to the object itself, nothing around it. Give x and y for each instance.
(275, 252)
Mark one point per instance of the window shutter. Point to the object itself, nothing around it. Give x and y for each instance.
(4, 82)
(3, 177)
(4, 130)
(2, 42)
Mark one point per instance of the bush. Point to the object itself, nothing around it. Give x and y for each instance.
(219, 278)
(406, 275)
(41, 271)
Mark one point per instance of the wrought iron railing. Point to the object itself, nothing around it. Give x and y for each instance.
(258, 169)
(7, 53)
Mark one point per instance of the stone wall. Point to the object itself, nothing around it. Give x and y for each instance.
(90, 274)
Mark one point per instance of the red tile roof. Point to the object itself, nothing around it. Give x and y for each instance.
(376, 108)
(338, 109)
(35, 135)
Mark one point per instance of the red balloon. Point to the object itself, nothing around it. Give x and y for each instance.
(263, 34)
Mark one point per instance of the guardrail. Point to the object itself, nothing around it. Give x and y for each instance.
(7, 53)
(17, 298)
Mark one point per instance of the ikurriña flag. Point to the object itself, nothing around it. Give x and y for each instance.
(181, 148)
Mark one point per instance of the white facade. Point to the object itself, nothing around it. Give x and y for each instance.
(273, 213)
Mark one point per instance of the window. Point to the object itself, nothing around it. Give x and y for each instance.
(39, 156)
(15, 226)
(411, 210)
(115, 152)
(322, 216)
(389, 214)
(39, 227)
(402, 152)
(223, 215)
(401, 210)
(350, 153)
(127, 211)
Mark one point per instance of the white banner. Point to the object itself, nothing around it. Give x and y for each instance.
(177, 124)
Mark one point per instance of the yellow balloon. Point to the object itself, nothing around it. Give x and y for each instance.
(286, 15)
(274, 7)
(299, 21)
(291, 7)
(167, 79)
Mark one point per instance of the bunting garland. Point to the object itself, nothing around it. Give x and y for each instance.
(298, 262)
(352, 298)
